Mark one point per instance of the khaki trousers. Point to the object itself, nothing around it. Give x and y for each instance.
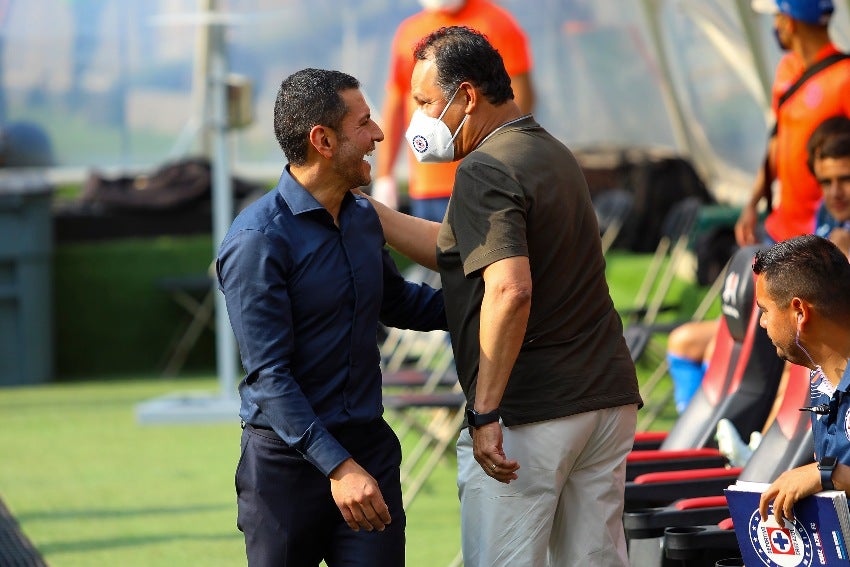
(566, 507)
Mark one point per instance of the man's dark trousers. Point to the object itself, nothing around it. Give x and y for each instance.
(288, 516)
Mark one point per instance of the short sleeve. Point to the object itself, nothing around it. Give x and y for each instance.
(488, 216)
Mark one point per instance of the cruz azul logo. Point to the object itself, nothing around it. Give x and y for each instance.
(786, 547)
(419, 143)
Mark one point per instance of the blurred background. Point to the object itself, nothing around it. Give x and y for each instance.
(120, 84)
(131, 131)
(100, 99)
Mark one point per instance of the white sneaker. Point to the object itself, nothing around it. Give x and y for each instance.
(729, 443)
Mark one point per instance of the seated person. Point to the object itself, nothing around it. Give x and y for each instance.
(832, 170)
(801, 289)
(690, 345)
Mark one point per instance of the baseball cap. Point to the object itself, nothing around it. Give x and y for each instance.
(809, 11)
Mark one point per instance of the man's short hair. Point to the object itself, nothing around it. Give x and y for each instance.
(308, 98)
(830, 127)
(836, 147)
(463, 54)
(809, 267)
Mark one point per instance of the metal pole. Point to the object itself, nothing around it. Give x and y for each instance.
(671, 101)
(753, 39)
(222, 198)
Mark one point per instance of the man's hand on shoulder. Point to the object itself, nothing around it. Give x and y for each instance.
(358, 497)
(385, 190)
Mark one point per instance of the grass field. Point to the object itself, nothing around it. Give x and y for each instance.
(91, 487)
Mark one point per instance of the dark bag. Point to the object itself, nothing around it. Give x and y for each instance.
(177, 185)
(713, 248)
(658, 185)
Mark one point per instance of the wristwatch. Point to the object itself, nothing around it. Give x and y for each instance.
(476, 419)
(826, 466)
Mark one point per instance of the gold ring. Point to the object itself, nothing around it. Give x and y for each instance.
(493, 467)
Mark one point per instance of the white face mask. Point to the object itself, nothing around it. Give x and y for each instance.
(446, 5)
(430, 138)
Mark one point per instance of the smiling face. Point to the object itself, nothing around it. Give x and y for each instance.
(833, 175)
(780, 324)
(356, 138)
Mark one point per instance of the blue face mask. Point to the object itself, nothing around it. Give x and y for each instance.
(779, 42)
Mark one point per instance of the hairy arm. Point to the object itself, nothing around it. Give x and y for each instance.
(745, 228)
(414, 237)
(504, 319)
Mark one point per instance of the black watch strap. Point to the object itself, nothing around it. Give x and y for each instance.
(476, 419)
(826, 466)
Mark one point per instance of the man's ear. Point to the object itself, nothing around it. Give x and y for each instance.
(323, 139)
(471, 95)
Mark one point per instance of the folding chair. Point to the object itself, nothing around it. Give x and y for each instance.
(422, 391)
(416, 360)
(740, 383)
(195, 294)
(430, 403)
(638, 335)
(672, 246)
(693, 529)
(437, 433)
(613, 208)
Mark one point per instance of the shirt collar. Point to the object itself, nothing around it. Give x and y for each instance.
(826, 51)
(844, 383)
(301, 201)
(297, 198)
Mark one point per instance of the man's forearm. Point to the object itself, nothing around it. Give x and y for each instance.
(504, 320)
(414, 237)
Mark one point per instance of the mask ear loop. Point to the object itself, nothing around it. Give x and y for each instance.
(443, 113)
(449, 103)
(818, 371)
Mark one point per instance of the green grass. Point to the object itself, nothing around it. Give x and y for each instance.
(91, 487)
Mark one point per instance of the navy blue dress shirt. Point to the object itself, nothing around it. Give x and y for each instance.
(304, 299)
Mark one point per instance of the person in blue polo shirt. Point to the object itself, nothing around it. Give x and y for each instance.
(306, 278)
(801, 289)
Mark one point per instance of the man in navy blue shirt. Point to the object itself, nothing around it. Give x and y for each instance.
(306, 279)
(801, 290)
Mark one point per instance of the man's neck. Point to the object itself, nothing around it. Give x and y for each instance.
(831, 352)
(810, 44)
(328, 193)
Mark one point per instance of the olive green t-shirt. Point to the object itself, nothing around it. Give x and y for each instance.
(522, 193)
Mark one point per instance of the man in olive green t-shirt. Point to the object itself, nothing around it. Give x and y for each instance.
(538, 345)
